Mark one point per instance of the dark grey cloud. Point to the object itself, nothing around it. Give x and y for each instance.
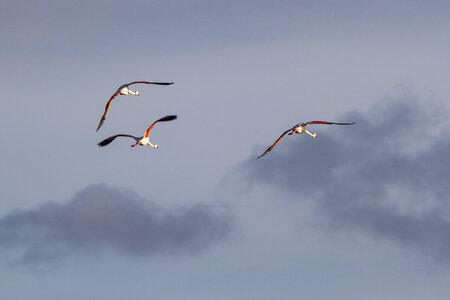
(104, 217)
(387, 175)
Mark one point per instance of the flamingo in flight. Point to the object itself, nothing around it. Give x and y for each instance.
(299, 129)
(141, 141)
(124, 90)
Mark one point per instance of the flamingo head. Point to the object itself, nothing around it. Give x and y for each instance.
(155, 146)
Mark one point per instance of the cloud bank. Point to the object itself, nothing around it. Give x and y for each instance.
(102, 217)
(388, 175)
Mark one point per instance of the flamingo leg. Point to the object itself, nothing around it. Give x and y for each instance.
(134, 93)
(311, 134)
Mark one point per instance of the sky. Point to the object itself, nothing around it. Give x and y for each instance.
(361, 211)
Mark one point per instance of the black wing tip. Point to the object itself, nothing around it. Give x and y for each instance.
(105, 142)
(262, 155)
(168, 118)
(336, 123)
(101, 123)
(265, 152)
(162, 83)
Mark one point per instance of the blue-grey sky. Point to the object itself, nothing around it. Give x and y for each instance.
(359, 212)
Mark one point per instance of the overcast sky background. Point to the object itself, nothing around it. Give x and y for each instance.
(361, 211)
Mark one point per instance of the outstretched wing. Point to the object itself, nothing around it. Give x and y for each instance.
(274, 144)
(108, 105)
(328, 123)
(150, 82)
(112, 138)
(163, 119)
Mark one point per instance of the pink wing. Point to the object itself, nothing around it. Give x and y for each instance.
(108, 105)
(163, 119)
(274, 144)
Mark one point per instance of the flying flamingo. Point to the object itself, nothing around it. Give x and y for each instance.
(299, 129)
(124, 90)
(141, 141)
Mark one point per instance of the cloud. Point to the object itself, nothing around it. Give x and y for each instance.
(388, 175)
(101, 217)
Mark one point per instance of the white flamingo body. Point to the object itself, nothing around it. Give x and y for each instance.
(140, 141)
(145, 141)
(125, 90)
(300, 128)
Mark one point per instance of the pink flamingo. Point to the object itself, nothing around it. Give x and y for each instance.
(124, 90)
(141, 141)
(299, 129)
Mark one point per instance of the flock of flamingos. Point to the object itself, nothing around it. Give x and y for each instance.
(144, 140)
